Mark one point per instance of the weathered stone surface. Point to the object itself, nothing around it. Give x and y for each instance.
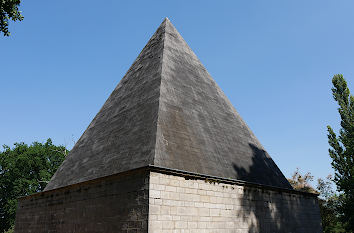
(167, 111)
(198, 129)
(122, 135)
(113, 204)
(149, 201)
(179, 205)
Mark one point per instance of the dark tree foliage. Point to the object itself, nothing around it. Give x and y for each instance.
(342, 150)
(9, 11)
(329, 203)
(24, 170)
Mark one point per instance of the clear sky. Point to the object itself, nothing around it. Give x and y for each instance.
(273, 59)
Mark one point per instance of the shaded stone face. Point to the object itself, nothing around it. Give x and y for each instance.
(113, 204)
(167, 111)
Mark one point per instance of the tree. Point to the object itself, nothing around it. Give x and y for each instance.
(329, 203)
(25, 170)
(9, 11)
(342, 150)
(301, 182)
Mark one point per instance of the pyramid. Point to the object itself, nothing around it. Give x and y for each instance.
(168, 153)
(167, 111)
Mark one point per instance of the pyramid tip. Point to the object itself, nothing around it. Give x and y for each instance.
(166, 19)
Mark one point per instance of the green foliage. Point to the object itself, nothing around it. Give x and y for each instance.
(9, 11)
(329, 203)
(25, 170)
(342, 150)
(11, 230)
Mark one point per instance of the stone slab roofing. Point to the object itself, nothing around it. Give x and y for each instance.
(167, 111)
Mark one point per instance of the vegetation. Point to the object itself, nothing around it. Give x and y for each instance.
(328, 200)
(342, 151)
(24, 170)
(329, 203)
(9, 11)
(302, 182)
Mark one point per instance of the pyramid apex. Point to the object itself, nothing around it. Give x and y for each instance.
(166, 21)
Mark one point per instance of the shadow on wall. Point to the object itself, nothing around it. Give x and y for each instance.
(263, 210)
(263, 170)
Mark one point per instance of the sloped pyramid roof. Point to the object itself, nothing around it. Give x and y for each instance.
(167, 111)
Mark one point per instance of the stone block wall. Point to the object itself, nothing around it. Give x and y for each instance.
(113, 204)
(181, 205)
(156, 202)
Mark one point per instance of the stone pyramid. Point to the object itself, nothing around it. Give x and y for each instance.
(167, 111)
(168, 153)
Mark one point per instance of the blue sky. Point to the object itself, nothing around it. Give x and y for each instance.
(273, 59)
